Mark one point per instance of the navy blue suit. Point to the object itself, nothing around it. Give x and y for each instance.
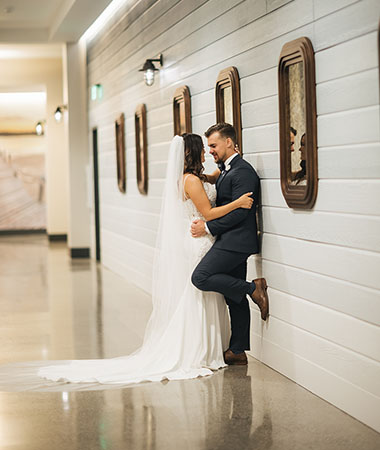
(224, 267)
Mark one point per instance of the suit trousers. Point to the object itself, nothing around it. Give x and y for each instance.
(225, 271)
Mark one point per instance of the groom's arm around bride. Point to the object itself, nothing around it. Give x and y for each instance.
(224, 267)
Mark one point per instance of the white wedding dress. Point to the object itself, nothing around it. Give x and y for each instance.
(190, 345)
(187, 330)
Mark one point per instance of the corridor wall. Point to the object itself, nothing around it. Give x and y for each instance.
(322, 265)
(46, 73)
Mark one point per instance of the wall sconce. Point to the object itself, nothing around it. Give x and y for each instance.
(40, 127)
(96, 92)
(58, 112)
(149, 69)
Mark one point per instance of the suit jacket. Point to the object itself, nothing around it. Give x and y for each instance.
(237, 231)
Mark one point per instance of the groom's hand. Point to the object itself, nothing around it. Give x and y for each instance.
(198, 228)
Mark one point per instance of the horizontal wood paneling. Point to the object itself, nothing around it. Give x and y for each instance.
(322, 265)
(263, 138)
(360, 161)
(350, 57)
(260, 112)
(336, 389)
(342, 329)
(259, 85)
(339, 295)
(357, 369)
(356, 126)
(346, 196)
(274, 4)
(356, 266)
(351, 92)
(355, 20)
(326, 7)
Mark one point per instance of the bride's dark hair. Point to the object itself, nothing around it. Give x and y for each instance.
(193, 155)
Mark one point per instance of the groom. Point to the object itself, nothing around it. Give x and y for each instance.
(224, 268)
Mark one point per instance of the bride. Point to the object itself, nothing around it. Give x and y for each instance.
(188, 329)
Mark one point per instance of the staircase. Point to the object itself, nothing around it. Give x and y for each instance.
(21, 198)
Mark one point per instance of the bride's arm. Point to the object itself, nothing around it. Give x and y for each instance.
(194, 189)
(212, 177)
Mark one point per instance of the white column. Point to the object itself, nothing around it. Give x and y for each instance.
(56, 155)
(76, 91)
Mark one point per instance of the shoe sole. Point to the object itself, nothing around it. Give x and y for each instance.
(236, 363)
(265, 286)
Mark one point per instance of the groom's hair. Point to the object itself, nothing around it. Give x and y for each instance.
(225, 130)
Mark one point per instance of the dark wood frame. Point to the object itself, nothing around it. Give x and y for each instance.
(141, 149)
(299, 196)
(181, 95)
(229, 77)
(120, 153)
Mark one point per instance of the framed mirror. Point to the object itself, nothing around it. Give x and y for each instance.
(141, 149)
(298, 124)
(120, 153)
(227, 97)
(182, 111)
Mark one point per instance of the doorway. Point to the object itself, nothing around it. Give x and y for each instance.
(96, 191)
(23, 147)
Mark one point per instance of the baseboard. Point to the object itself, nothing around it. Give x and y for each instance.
(13, 232)
(57, 237)
(80, 252)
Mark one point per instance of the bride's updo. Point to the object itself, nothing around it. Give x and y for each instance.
(193, 155)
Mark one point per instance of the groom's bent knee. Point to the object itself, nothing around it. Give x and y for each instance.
(199, 279)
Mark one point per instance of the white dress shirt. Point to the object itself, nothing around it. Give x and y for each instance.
(227, 164)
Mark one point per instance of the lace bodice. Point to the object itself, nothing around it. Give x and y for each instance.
(192, 211)
(196, 248)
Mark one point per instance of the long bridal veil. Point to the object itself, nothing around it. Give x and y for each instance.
(171, 267)
(183, 337)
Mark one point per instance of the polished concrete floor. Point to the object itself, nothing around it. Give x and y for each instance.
(54, 308)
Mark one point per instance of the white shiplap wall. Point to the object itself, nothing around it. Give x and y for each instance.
(322, 266)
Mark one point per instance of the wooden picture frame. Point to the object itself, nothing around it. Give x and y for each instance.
(120, 153)
(141, 149)
(298, 124)
(182, 111)
(227, 101)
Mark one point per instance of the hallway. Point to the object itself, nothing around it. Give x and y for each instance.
(56, 308)
(22, 204)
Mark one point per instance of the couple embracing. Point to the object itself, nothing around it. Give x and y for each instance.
(206, 233)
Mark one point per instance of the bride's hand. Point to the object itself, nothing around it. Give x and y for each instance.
(245, 201)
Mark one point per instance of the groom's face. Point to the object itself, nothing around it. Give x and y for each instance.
(218, 147)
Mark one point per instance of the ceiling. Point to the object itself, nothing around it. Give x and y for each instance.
(37, 21)
(20, 111)
(37, 29)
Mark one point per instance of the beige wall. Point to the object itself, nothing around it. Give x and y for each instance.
(22, 145)
(77, 125)
(46, 73)
(322, 265)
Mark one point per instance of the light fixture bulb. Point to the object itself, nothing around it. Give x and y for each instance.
(39, 129)
(149, 77)
(58, 114)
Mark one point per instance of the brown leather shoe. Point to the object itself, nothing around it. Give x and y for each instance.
(233, 359)
(260, 297)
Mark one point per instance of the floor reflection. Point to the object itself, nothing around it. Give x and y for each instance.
(54, 308)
